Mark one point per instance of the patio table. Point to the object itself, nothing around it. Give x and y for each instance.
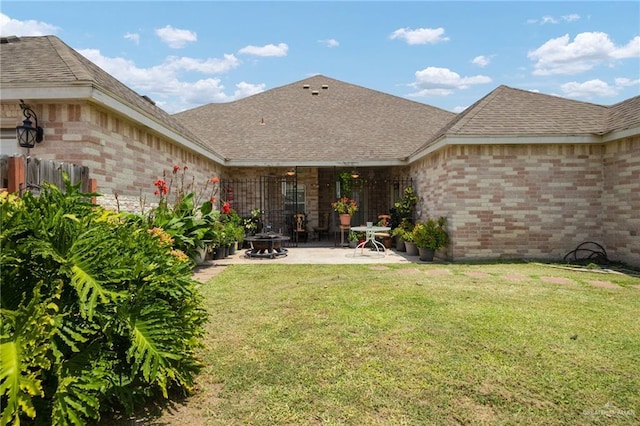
(370, 232)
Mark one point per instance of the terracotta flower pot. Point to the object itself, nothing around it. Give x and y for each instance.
(345, 219)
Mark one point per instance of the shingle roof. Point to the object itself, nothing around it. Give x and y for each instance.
(507, 111)
(342, 122)
(320, 120)
(46, 61)
(624, 115)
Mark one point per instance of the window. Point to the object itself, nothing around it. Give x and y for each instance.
(294, 197)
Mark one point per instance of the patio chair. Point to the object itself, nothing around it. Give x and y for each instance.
(300, 232)
(384, 220)
(323, 226)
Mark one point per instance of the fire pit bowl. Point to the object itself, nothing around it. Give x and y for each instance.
(268, 245)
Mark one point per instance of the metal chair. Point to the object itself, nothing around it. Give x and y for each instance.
(300, 232)
(384, 220)
(323, 226)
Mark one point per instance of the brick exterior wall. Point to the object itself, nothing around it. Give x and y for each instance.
(533, 201)
(124, 157)
(501, 201)
(621, 200)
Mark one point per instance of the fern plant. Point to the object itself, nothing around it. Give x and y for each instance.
(95, 310)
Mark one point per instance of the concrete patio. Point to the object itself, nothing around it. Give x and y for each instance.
(308, 253)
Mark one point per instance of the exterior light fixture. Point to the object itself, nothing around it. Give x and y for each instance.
(290, 172)
(27, 134)
(355, 174)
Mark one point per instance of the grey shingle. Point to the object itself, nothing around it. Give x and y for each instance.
(342, 122)
(507, 111)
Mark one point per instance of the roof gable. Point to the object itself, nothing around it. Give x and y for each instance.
(314, 121)
(507, 111)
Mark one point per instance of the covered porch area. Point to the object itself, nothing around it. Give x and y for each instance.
(273, 196)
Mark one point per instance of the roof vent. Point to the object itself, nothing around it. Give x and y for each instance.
(306, 86)
(9, 39)
(314, 92)
(325, 86)
(148, 99)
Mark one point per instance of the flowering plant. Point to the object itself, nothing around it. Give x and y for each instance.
(345, 205)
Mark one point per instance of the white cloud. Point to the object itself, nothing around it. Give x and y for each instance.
(547, 19)
(164, 82)
(174, 37)
(434, 81)
(420, 35)
(244, 89)
(571, 18)
(133, 37)
(266, 50)
(625, 82)
(205, 66)
(588, 89)
(332, 42)
(630, 50)
(481, 61)
(596, 88)
(587, 50)
(13, 27)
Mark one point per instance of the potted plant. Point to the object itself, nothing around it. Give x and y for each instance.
(345, 207)
(430, 236)
(409, 243)
(353, 239)
(400, 233)
(403, 208)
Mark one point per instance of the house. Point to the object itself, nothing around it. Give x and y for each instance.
(518, 174)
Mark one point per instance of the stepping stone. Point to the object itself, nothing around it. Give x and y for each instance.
(604, 284)
(437, 271)
(475, 274)
(516, 277)
(557, 280)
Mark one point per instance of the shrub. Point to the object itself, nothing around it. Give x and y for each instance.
(96, 310)
(431, 234)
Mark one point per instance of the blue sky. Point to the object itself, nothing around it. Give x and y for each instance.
(446, 54)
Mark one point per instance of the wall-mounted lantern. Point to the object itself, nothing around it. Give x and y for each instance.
(28, 135)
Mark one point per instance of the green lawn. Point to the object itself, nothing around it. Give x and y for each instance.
(418, 345)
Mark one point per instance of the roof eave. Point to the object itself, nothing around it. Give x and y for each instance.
(622, 133)
(88, 91)
(445, 140)
(326, 163)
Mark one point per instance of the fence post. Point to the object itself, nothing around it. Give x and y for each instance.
(93, 187)
(17, 175)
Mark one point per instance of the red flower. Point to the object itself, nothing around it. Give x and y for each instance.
(226, 208)
(175, 169)
(213, 200)
(214, 179)
(162, 187)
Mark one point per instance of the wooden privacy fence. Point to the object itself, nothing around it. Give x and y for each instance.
(19, 173)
